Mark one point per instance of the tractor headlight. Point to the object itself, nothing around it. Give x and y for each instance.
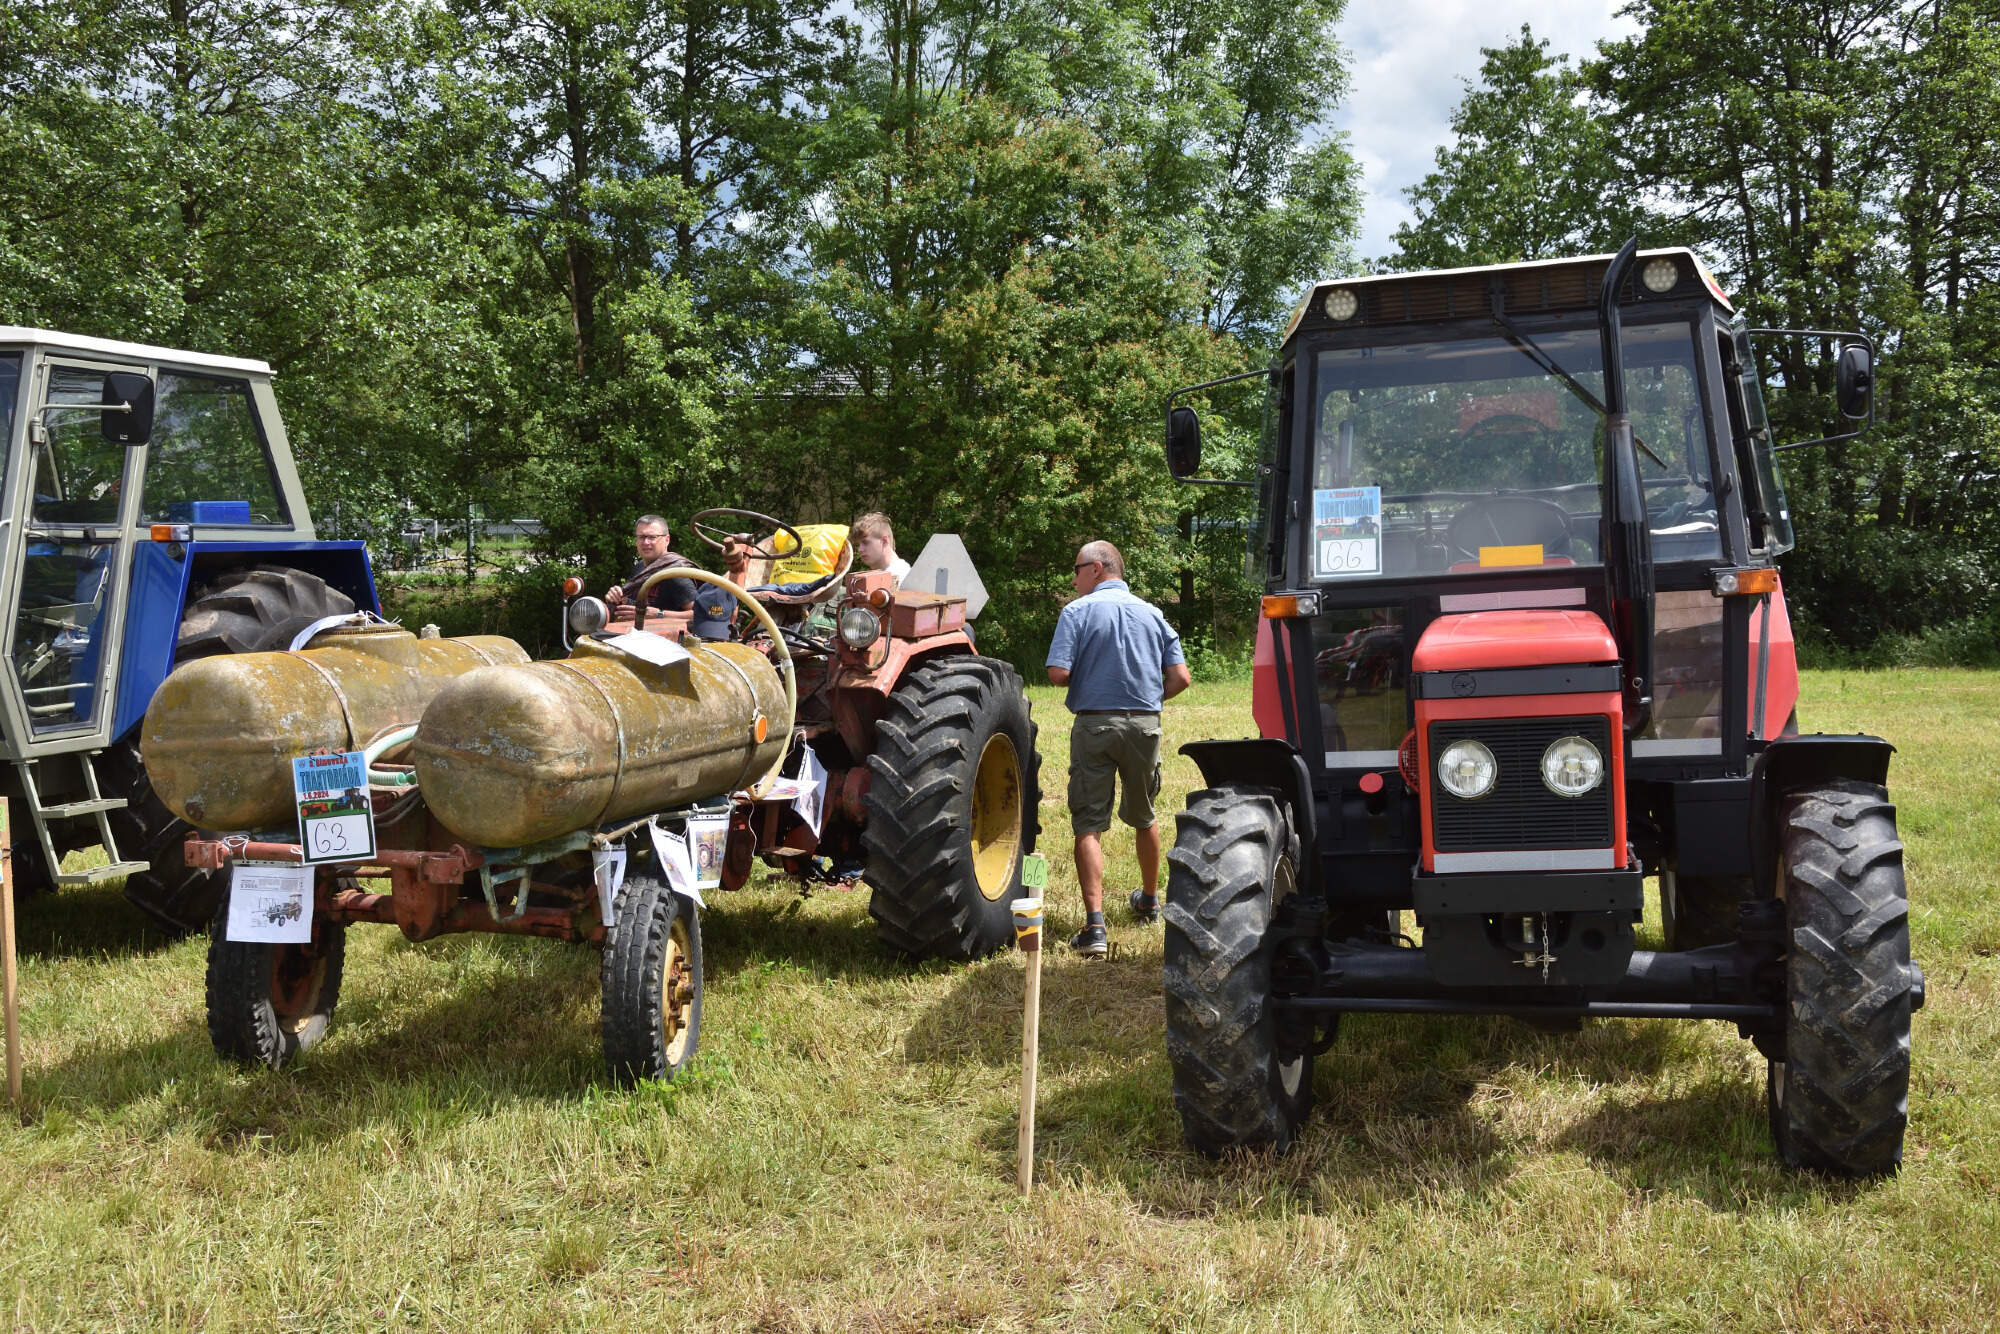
(859, 627)
(1467, 770)
(1571, 766)
(587, 615)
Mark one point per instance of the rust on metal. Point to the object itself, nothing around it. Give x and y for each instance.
(511, 756)
(220, 735)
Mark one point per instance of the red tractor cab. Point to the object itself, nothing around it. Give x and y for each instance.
(1524, 645)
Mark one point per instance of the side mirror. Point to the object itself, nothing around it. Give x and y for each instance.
(131, 424)
(1183, 442)
(1854, 380)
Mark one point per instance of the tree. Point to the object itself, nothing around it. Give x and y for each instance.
(1530, 173)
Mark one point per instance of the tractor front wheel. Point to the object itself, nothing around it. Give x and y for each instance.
(267, 1003)
(952, 806)
(1236, 1084)
(652, 982)
(1839, 1099)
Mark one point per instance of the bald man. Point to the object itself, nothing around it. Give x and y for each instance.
(1121, 661)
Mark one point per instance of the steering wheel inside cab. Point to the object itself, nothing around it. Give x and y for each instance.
(1512, 522)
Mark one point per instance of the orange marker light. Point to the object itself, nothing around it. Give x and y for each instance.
(1288, 606)
(1746, 583)
(572, 586)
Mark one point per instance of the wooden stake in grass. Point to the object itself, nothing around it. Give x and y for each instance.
(1028, 933)
(10, 1001)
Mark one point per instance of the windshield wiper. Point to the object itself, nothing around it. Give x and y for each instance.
(1529, 349)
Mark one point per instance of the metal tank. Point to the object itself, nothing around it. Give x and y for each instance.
(509, 756)
(221, 732)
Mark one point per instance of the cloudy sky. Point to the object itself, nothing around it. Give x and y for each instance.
(1410, 60)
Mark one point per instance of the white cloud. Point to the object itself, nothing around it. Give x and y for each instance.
(1410, 61)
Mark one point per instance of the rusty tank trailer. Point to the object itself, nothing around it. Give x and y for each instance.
(543, 799)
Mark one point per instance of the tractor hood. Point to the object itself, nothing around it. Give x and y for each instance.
(1483, 640)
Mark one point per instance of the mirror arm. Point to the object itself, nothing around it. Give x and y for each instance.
(1168, 410)
(1827, 439)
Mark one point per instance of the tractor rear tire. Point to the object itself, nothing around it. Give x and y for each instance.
(255, 611)
(1234, 859)
(268, 1003)
(1698, 910)
(652, 982)
(244, 611)
(952, 809)
(1839, 1100)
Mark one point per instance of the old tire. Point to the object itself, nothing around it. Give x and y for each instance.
(244, 611)
(652, 982)
(1698, 910)
(1234, 859)
(267, 1003)
(952, 806)
(254, 611)
(1839, 1100)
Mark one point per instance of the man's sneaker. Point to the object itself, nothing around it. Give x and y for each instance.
(1091, 942)
(1145, 911)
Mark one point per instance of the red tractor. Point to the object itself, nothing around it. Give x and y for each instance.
(925, 750)
(1524, 644)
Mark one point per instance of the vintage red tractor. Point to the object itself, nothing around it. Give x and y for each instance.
(924, 750)
(1525, 644)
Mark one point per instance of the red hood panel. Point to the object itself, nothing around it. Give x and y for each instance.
(1543, 637)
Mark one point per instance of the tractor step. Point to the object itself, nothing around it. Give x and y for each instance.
(67, 809)
(97, 875)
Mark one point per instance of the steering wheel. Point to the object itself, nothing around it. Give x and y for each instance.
(717, 537)
(1507, 521)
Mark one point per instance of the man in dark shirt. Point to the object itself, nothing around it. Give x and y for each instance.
(650, 536)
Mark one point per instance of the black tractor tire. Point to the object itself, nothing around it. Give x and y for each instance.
(1234, 859)
(952, 809)
(1698, 910)
(268, 1003)
(255, 611)
(244, 611)
(652, 982)
(1839, 1100)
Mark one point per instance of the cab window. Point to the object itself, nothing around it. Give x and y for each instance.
(208, 462)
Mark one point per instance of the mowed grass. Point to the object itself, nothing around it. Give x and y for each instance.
(842, 1157)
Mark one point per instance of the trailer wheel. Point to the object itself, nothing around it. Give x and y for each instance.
(1698, 910)
(1234, 859)
(652, 982)
(244, 611)
(1839, 1099)
(267, 1003)
(952, 808)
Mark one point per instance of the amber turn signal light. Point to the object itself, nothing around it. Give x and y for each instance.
(572, 586)
(1286, 606)
(1745, 583)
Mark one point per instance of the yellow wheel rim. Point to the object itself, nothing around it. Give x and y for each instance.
(996, 816)
(677, 993)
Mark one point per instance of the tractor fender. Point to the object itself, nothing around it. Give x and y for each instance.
(1266, 762)
(1792, 762)
(860, 694)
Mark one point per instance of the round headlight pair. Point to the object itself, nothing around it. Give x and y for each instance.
(859, 627)
(1571, 767)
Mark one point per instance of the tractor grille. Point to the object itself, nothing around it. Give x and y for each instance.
(1519, 812)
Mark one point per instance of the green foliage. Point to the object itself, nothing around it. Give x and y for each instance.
(1529, 176)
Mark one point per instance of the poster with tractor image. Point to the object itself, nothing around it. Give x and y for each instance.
(1347, 531)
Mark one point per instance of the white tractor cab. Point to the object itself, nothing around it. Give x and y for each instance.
(151, 512)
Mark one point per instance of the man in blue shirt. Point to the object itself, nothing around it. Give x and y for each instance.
(1121, 661)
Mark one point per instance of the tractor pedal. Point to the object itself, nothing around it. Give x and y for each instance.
(97, 875)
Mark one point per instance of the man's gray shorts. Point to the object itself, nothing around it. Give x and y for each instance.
(1104, 746)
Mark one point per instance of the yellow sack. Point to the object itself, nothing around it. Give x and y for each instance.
(820, 558)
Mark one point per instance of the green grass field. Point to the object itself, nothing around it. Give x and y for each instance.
(842, 1157)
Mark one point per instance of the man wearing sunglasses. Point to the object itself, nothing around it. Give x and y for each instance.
(1120, 660)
